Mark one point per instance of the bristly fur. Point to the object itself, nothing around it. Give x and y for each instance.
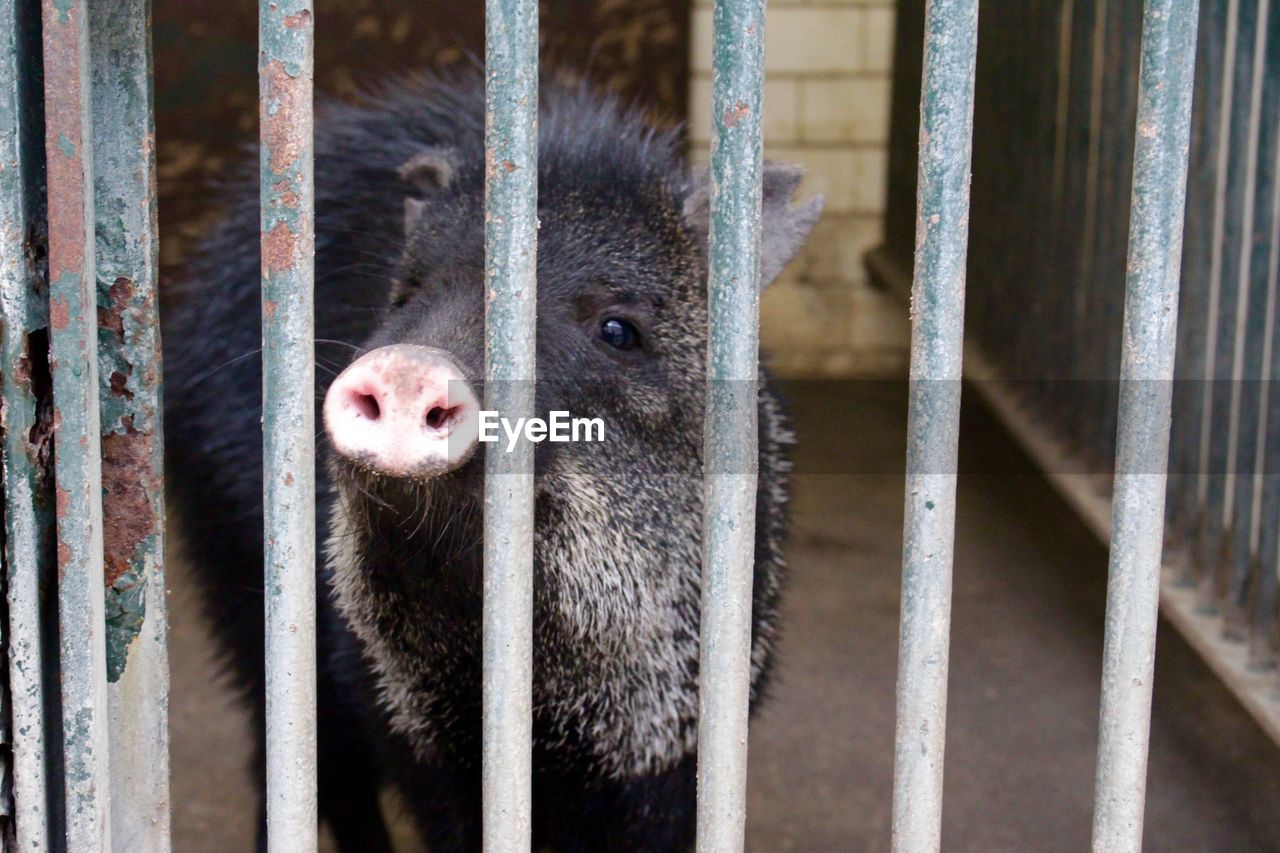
(618, 528)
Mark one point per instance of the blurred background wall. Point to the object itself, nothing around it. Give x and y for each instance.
(828, 65)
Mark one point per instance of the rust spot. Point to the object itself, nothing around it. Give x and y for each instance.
(64, 117)
(64, 557)
(61, 501)
(288, 479)
(269, 308)
(284, 194)
(121, 291)
(112, 316)
(737, 113)
(285, 101)
(118, 382)
(301, 19)
(279, 249)
(508, 166)
(128, 481)
(59, 313)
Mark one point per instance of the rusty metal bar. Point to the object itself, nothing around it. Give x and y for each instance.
(730, 427)
(1142, 439)
(77, 450)
(129, 390)
(933, 428)
(286, 36)
(511, 223)
(25, 419)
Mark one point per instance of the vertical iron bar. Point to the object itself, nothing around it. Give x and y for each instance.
(942, 226)
(27, 510)
(286, 30)
(729, 436)
(77, 454)
(1069, 259)
(1150, 326)
(129, 390)
(1215, 456)
(1266, 262)
(511, 223)
(1247, 357)
(1118, 121)
(1193, 329)
(1089, 291)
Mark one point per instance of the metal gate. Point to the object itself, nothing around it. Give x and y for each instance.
(1045, 343)
(87, 674)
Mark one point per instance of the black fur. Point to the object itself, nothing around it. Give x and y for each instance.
(617, 561)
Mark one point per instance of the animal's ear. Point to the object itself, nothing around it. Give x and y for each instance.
(783, 228)
(425, 172)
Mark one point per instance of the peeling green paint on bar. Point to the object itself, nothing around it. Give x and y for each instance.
(933, 423)
(28, 515)
(74, 356)
(286, 38)
(130, 410)
(510, 227)
(1142, 438)
(729, 433)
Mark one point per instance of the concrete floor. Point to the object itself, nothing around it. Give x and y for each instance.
(1026, 646)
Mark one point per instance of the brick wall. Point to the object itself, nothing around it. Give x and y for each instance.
(826, 105)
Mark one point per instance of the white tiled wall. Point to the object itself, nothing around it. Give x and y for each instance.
(826, 105)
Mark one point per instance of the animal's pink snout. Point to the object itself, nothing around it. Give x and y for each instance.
(403, 410)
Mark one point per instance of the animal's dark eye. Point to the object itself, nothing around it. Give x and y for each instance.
(619, 334)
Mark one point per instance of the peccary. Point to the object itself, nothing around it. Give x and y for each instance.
(622, 334)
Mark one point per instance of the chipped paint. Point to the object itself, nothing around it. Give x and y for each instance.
(129, 367)
(77, 456)
(25, 427)
(288, 274)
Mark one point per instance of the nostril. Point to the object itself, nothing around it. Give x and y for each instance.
(366, 405)
(439, 417)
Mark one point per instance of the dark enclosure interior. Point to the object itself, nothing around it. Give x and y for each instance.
(207, 83)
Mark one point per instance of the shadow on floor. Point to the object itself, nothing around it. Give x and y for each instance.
(1024, 676)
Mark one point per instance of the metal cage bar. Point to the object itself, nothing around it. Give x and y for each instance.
(286, 30)
(1253, 346)
(933, 426)
(1266, 544)
(132, 461)
(1142, 437)
(511, 222)
(28, 515)
(73, 339)
(1216, 457)
(730, 426)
